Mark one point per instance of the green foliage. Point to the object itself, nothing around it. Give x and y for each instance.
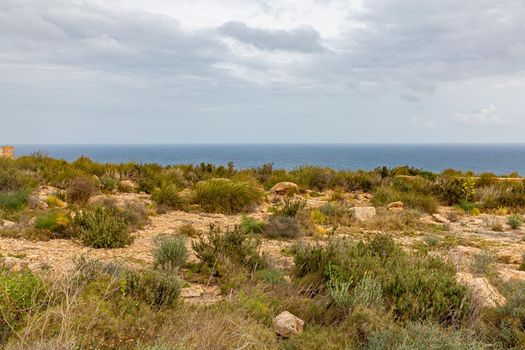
(13, 201)
(415, 288)
(227, 196)
(80, 189)
(170, 252)
(109, 182)
(252, 225)
(468, 188)
(55, 222)
(102, 228)
(515, 221)
(169, 196)
(449, 189)
(270, 276)
(505, 325)
(368, 292)
(233, 245)
(483, 263)
(19, 292)
(153, 287)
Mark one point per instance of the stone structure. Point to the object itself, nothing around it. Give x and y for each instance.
(7, 152)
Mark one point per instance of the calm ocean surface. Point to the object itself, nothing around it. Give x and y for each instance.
(497, 158)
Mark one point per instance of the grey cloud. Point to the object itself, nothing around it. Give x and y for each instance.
(303, 39)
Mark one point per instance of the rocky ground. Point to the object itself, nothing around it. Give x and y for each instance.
(459, 238)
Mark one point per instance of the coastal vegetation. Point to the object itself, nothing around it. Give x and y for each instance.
(207, 257)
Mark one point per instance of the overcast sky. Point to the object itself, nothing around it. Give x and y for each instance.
(228, 71)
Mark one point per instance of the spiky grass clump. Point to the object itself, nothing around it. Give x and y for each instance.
(13, 201)
(227, 196)
(168, 195)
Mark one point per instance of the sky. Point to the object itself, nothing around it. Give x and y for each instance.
(262, 71)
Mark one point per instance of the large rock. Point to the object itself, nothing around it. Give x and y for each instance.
(483, 293)
(287, 325)
(283, 188)
(363, 213)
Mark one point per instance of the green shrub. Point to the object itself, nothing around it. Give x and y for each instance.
(56, 223)
(282, 227)
(188, 230)
(413, 287)
(483, 262)
(153, 287)
(448, 189)
(102, 228)
(12, 179)
(252, 225)
(80, 189)
(504, 325)
(233, 245)
(515, 221)
(227, 196)
(169, 196)
(109, 182)
(339, 292)
(170, 252)
(290, 208)
(13, 201)
(368, 292)
(19, 293)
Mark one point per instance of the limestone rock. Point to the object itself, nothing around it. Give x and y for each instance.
(395, 206)
(483, 293)
(283, 188)
(8, 225)
(441, 219)
(507, 274)
(287, 325)
(13, 264)
(363, 213)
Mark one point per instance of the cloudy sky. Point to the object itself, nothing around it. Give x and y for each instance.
(228, 71)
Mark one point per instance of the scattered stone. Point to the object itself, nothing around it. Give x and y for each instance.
(121, 200)
(483, 293)
(283, 188)
(441, 219)
(192, 292)
(462, 256)
(13, 264)
(395, 206)
(363, 213)
(287, 325)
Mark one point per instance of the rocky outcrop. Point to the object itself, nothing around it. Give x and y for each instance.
(7, 225)
(363, 213)
(441, 219)
(128, 186)
(483, 293)
(287, 325)
(121, 200)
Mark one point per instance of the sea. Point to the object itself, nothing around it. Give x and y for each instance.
(500, 159)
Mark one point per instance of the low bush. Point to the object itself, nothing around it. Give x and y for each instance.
(252, 225)
(170, 252)
(233, 245)
(13, 201)
(80, 189)
(188, 230)
(227, 196)
(415, 288)
(312, 177)
(19, 292)
(290, 208)
(282, 227)
(57, 223)
(515, 221)
(102, 228)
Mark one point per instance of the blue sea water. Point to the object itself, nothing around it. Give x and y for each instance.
(496, 158)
